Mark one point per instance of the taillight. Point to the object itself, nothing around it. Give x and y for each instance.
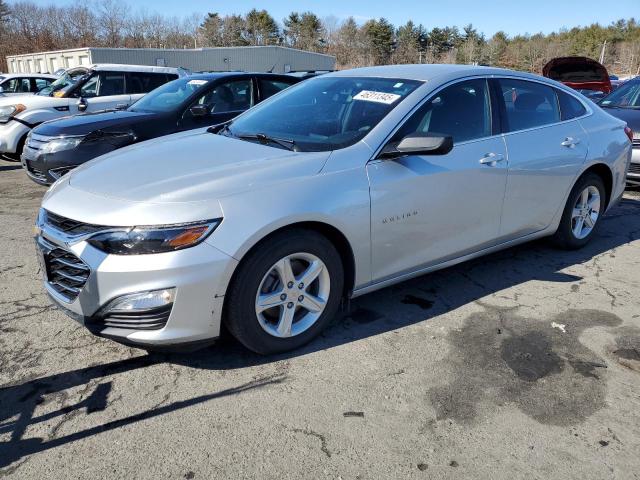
(629, 133)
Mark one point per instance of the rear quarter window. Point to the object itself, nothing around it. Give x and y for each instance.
(570, 107)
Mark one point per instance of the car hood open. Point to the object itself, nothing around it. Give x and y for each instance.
(578, 72)
(189, 171)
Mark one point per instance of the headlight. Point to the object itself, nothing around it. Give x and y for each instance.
(144, 240)
(8, 111)
(60, 144)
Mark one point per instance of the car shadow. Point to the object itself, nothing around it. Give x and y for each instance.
(5, 168)
(414, 301)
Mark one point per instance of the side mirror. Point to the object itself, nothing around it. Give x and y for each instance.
(82, 104)
(418, 144)
(199, 111)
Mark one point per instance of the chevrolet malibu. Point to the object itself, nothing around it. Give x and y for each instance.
(334, 188)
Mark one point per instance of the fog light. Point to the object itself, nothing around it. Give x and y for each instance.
(141, 301)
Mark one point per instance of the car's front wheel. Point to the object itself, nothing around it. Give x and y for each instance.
(285, 292)
(582, 212)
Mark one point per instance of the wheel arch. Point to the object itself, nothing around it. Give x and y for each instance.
(604, 172)
(332, 233)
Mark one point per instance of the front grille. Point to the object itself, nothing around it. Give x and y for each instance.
(634, 168)
(150, 320)
(70, 226)
(66, 273)
(36, 172)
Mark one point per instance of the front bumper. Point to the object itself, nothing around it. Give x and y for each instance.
(46, 168)
(633, 175)
(199, 274)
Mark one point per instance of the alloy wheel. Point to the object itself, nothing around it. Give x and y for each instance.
(586, 212)
(292, 295)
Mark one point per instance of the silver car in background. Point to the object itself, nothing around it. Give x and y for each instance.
(336, 187)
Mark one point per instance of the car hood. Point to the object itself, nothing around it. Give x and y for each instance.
(629, 115)
(177, 178)
(85, 124)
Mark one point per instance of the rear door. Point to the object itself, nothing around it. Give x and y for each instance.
(546, 152)
(427, 209)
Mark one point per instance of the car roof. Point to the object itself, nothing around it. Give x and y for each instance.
(426, 72)
(27, 75)
(115, 67)
(213, 75)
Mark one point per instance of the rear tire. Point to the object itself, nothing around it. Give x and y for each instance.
(582, 213)
(285, 292)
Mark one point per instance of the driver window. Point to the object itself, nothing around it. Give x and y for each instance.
(462, 110)
(90, 87)
(228, 97)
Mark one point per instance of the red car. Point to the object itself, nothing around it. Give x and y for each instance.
(580, 73)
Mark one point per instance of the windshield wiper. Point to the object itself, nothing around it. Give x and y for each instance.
(265, 139)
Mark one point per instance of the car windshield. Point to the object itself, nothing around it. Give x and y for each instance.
(626, 96)
(324, 113)
(169, 96)
(64, 83)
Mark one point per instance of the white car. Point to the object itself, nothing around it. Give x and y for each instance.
(333, 188)
(78, 90)
(24, 83)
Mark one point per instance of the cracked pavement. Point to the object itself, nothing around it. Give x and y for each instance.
(522, 364)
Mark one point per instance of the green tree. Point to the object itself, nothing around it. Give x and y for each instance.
(379, 41)
(261, 28)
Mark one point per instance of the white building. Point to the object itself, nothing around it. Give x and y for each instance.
(256, 59)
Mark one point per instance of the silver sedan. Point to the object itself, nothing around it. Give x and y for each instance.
(334, 188)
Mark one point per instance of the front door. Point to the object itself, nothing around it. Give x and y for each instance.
(427, 209)
(104, 91)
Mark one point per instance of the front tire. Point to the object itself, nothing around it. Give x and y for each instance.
(285, 292)
(581, 216)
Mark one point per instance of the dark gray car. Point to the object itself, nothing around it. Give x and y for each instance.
(624, 103)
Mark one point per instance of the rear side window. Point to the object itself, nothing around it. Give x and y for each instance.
(111, 83)
(17, 85)
(461, 110)
(271, 87)
(528, 104)
(569, 107)
(145, 82)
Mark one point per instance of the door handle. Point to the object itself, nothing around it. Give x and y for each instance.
(570, 142)
(492, 159)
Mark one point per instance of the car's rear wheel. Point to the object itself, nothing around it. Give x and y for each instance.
(582, 212)
(285, 292)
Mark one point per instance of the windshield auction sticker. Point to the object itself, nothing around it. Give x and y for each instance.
(196, 82)
(378, 97)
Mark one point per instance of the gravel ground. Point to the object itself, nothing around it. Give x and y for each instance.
(523, 364)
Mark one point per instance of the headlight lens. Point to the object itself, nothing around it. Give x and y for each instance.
(60, 144)
(145, 240)
(8, 111)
